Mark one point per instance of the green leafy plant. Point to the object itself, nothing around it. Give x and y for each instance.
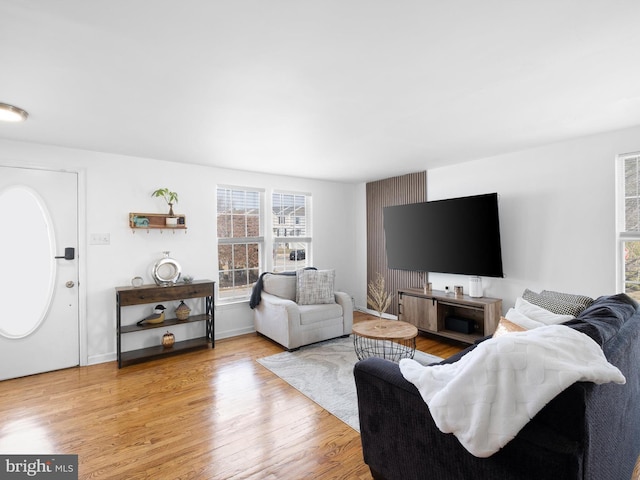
(168, 196)
(377, 297)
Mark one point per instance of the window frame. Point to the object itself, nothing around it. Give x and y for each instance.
(622, 235)
(278, 227)
(240, 296)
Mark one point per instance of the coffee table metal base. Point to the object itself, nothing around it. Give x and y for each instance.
(393, 350)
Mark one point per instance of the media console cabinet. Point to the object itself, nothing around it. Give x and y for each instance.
(153, 294)
(437, 312)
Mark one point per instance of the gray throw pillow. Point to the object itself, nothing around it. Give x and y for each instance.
(315, 287)
(581, 300)
(552, 304)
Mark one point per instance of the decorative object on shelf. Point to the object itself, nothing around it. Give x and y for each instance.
(140, 222)
(137, 282)
(166, 271)
(458, 290)
(168, 339)
(168, 196)
(182, 311)
(378, 297)
(187, 278)
(475, 287)
(11, 113)
(171, 221)
(156, 317)
(426, 288)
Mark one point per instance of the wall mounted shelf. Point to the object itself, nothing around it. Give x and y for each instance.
(156, 221)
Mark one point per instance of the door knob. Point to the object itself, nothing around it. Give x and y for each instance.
(69, 253)
(70, 284)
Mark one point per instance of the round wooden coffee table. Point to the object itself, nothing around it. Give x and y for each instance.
(390, 339)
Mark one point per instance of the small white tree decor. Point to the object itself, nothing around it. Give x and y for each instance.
(378, 298)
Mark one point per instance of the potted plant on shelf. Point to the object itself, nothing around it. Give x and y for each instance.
(171, 198)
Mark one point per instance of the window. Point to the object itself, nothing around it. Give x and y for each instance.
(240, 241)
(291, 230)
(628, 220)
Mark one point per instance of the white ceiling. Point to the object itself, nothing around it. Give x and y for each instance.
(347, 90)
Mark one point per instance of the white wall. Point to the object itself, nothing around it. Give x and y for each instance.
(115, 185)
(557, 215)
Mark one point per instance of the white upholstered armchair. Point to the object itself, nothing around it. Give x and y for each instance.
(296, 310)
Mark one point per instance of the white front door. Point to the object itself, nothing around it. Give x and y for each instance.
(39, 319)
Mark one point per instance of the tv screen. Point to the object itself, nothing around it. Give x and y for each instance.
(458, 235)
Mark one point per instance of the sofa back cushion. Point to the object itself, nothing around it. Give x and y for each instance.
(283, 286)
(606, 315)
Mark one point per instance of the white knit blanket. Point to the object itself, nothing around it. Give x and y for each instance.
(487, 396)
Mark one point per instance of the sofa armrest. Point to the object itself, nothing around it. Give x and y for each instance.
(287, 309)
(400, 440)
(344, 300)
(277, 318)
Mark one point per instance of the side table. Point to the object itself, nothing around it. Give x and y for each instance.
(390, 339)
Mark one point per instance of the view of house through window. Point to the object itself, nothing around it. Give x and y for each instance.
(629, 224)
(291, 231)
(240, 241)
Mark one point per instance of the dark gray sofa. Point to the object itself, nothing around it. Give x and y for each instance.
(587, 432)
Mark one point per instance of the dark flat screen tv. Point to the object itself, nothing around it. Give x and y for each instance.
(457, 235)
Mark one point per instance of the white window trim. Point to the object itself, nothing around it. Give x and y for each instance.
(244, 240)
(621, 234)
(272, 239)
(227, 241)
(291, 239)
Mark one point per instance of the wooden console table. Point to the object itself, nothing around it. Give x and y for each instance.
(429, 311)
(149, 294)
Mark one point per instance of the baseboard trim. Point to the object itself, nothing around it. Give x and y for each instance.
(103, 358)
(388, 316)
(234, 333)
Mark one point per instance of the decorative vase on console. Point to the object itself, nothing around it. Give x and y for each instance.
(166, 271)
(168, 339)
(182, 311)
(475, 287)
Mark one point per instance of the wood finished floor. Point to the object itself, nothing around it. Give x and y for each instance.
(214, 414)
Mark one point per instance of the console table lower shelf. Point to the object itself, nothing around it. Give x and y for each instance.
(151, 353)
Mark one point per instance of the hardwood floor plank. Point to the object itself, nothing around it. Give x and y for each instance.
(210, 414)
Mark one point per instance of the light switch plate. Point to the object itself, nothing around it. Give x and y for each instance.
(100, 239)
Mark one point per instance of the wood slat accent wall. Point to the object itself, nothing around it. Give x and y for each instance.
(411, 188)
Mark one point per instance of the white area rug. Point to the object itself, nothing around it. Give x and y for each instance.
(324, 373)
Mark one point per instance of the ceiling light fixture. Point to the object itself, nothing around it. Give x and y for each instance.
(9, 113)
